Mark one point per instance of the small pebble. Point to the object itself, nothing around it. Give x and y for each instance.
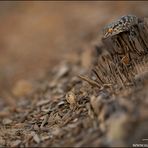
(6, 121)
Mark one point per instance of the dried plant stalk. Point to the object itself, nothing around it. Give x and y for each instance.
(127, 43)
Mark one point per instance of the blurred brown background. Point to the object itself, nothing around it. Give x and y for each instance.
(36, 35)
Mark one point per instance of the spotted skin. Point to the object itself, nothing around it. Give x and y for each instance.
(120, 25)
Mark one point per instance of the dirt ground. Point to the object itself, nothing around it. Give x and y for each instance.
(44, 46)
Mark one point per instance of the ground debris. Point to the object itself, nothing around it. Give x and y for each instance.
(15, 143)
(22, 87)
(6, 121)
(71, 99)
(35, 137)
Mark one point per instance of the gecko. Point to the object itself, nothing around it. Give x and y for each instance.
(120, 25)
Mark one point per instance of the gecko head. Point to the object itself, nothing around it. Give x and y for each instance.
(120, 25)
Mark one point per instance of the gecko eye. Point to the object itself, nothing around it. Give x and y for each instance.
(110, 30)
